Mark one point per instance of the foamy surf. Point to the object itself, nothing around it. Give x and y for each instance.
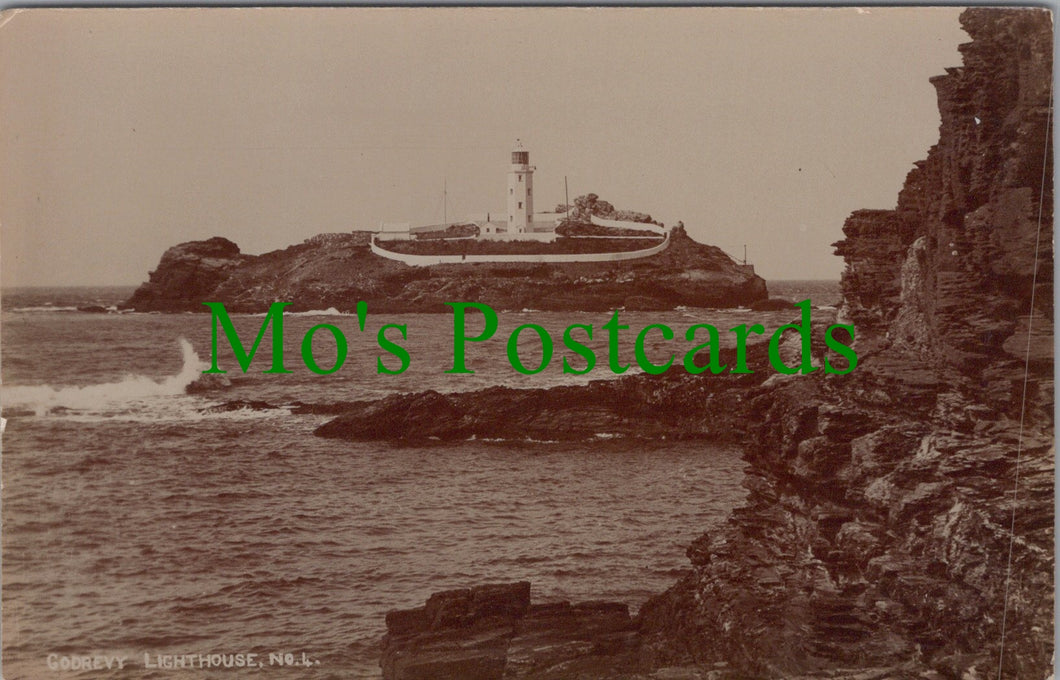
(45, 399)
(330, 311)
(41, 309)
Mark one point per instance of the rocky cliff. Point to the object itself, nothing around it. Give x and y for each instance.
(337, 270)
(901, 517)
(899, 522)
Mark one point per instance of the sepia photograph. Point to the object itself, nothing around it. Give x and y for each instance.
(539, 343)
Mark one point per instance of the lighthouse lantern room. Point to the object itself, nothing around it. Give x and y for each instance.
(520, 191)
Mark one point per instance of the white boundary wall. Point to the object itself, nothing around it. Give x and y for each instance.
(425, 260)
(613, 237)
(615, 224)
(540, 236)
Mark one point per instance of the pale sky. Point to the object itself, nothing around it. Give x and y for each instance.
(126, 131)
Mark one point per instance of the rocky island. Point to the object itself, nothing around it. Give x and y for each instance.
(899, 522)
(337, 270)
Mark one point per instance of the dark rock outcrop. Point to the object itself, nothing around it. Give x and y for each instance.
(492, 632)
(187, 275)
(667, 408)
(337, 270)
(899, 522)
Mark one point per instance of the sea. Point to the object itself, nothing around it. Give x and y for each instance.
(142, 522)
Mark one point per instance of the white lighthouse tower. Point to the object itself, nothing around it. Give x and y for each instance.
(520, 191)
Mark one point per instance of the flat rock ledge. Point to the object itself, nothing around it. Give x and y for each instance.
(491, 632)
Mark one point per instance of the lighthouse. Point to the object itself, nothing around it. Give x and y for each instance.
(520, 191)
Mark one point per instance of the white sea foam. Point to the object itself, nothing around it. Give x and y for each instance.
(43, 399)
(330, 311)
(39, 309)
(173, 410)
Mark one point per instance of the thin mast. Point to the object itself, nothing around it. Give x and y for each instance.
(566, 196)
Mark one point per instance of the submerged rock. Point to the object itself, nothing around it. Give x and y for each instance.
(208, 382)
(240, 405)
(773, 305)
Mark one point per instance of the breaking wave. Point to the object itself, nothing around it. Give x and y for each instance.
(43, 399)
(330, 311)
(41, 309)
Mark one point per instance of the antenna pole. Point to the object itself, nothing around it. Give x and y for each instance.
(745, 253)
(566, 197)
(445, 203)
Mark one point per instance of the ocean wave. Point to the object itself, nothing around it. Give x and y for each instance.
(512, 440)
(38, 309)
(330, 311)
(167, 411)
(45, 399)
